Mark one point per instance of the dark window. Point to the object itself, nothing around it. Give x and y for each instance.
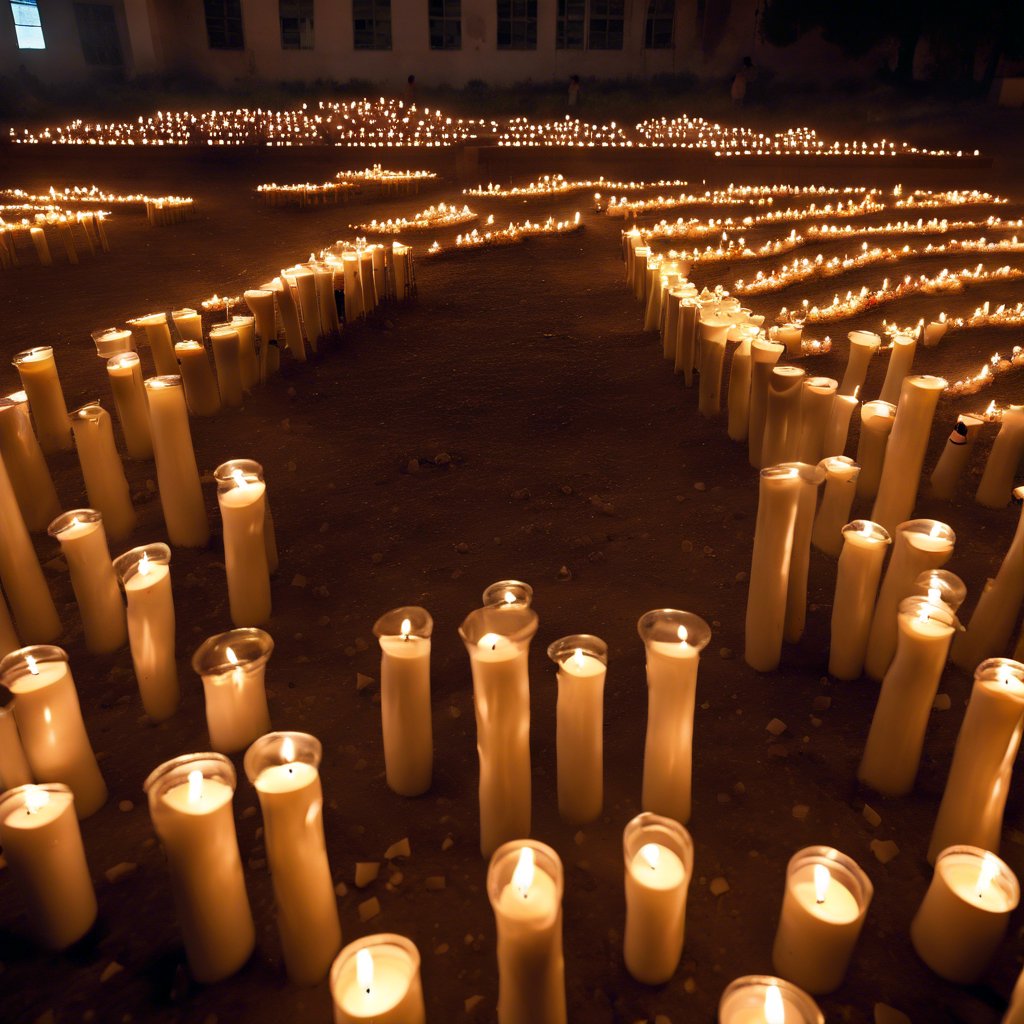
(98, 32)
(658, 33)
(224, 24)
(606, 20)
(27, 27)
(296, 24)
(371, 24)
(517, 24)
(445, 24)
(570, 24)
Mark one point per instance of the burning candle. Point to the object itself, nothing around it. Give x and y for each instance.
(1001, 467)
(782, 415)
(125, 373)
(283, 766)
(739, 390)
(764, 355)
(789, 335)
(506, 593)
(841, 474)
(105, 483)
(241, 495)
(823, 910)
(190, 800)
(761, 999)
(248, 352)
(941, 585)
(582, 662)
(158, 337)
(309, 306)
(289, 314)
(670, 320)
(965, 912)
(876, 420)
(863, 345)
(404, 636)
(900, 361)
(261, 302)
(227, 355)
(524, 883)
(658, 854)
(38, 371)
(837, 429)
(26, 466)
(376, 980)
(955, 456)
(49, 720)
(188, 323)
(197, 378)
(712, 333)
(112, 342)
(14, 766)
(811, 478)
(816, 397)
(932, 333)
(687, 349)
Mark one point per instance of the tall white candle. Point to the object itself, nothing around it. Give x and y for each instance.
(248, 354)
(508, 592)
(283, 766)
(309, 306)
(712, 332)
(841, 474)
(29, 474)
(687, 347)
(188, 323)
(1003, 460)
(197, 378)
(406, 724)
(325, 289)
(227, 355)
(241, 495)
(158, 337)
(816, 397)
(14, 766)
(401, 261)
(670, 320)
(190, 804)
(289, 313)
(125, 374)
(353, 294)
(782, 415)
(863, 345)
(112, 342)
(811, 478)
(955, 455)
(837, 429)
(366, 280)
(762, 999)
(106, 486)
(376, 980)
(38, 371)
(763, 355)
(261, 302)
(876, 422)
(739, 390)
(901, 359)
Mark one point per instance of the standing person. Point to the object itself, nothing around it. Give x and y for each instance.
(574, 90)
(741, 80)
(410, 90)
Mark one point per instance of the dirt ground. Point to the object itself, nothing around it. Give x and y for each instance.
(526, 365)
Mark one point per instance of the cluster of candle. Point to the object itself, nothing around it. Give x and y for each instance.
(557, 184)
(986, 376)
(93, 230)
(521, 132)
(387, 182)
(221, 303)
(443, 215)
(925, 198)
(731, 195)
(906, 227)
(326, 193)
(82, 194)
(514, 233)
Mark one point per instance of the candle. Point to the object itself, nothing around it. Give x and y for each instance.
(1015, 1011)
(366, 280)
(941, 585)
(261, 302)
(283, 766)
(43, 848)
(190, 801)
(508, 592)
(325, 289)
(782, 415)
(401, 261)
(712, 333)
(105, 483)
(582, 662)
(896, 737)
(233, 667)
(764, 355)
(497, 640)
(289, 314)
(188, 323)
(841, 474)
(955, 456)
(673, 641)
(974, 799)
(49, 720)
(641, 254)
(1001, 466)
(125, 374)
(14, 766)
(376, 979)
(904, 456)
(670, 320)
(112, 342)
(739, 390)
(158, 337)
(353, 295)
(687, 350)
(838, 427)
(26, 466)
(83, 543)
(305, 287)
(811, 478)
(658, 854)
(227, 355)
(900, 361)
(860, 568)
(404, 637)
(761, 999)
(524, 884)
(816, 397)
(863, 345)
(241, 495)
(181, 496)
(918, 545)
(876, 420)
(197, 378)
(38, 372)
(789, 335)
(823, 910)
(932, 333)
(145, 575)
(248, 353)
(38, 237)
(964, 914)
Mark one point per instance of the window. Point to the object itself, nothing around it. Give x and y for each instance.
(371, 24)
(569, 27)
(27, 26)
(224, 24)
(296, 24)
(606, 20)
(658, 34)
(517, 24)
(98, 33)
(445, 24)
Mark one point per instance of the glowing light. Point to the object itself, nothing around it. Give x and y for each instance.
(364, 970)
(36, 798)
(774, 1007)
(195, 786)
(522, 877)
(651, 852)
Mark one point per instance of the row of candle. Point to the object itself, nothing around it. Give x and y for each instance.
(327, 193)
(558, 184)
(93, 232)
(82, 194)
(730, 195)
(517, 231)
(442, 215)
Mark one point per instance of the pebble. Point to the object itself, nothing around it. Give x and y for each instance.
(448, 843)
(725, 653)
(399, 849)
(441, 949)
(822, 703)
(871, 816)
(776, 727)
(723, 798)
(884, 850)
(110, 970)
(369, 909)
(742, 576)
(298, 580)
(739, 788)
(687, 545)
(580, 838)
(377, 557)
(689, 986)
(362, 681)
(412, 466)
(800, 812)
(119, 871)
(700, 486)
(885, 1014)
(366, 872)
(719, 886)
(470, 1004)
(126, 806)
(462, 548)
(341, 889)
(565, 573)
(942, 702)
(434, 883)
(397, 878)
(442, 459)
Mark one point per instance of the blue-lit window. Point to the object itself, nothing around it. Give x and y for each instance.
(27, 26)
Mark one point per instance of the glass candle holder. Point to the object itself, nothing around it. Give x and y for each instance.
(241, 495)
(942, 585)
(112, 341)
(227, 356)
(508, 592)
(190, 804)
(25, 464)
(233, 669)
(124, 372)
(377, 978)
(38, 371)
(772, 998)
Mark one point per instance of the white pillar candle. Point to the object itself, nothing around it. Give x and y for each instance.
(904, 455)
(918, 545)
(376, 980)
(712, 332)
(790, 335)
(991, 624)
(841, 474)
(892, 753)
(38, 236)
(145, 575)
(497, 640)
(901, 359)
(932, 333)
(955, 456)
(651, 292)
(49, 720)
(283, 767)
(673, 641)
(325, 289)
(739, 383)
(366, 280)
(233, 668)
(261, 302)
(43, 848)
(641, 254)
(112, 342)
(26, 466)
(1003, 460)
(657, 301)
(38, 371)
(289, 313)
(823, 910)
(782, 415)
(190, 804)
(177, 476)
(941, 585)
(764, 355)
(188, 323)
(227, 356)
(524, 883)
(816, 397)
(863, 345)
(309, 304)
(83, 543)
(838, 427)
(241, 495)
(248, 357)
(508, 592)
(197, 379)
(105, 483)
(687, 348)
(14, 766)
(811, 478)
(965, 913)
(761, 999)
(658, 854)
(353, 293)
(125, 375)
(582, 662)
(401, 258)
(860, 568)
(974, 799)
(876, 422)
(158, 337)
(406, 723)
(670, 321)
(1015, 1011)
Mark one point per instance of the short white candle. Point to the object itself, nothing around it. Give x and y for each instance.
(38, 371)
(841, 474)
(227, 355)
(901, 358)
(782, 415)
(106, 486)
(876, 420)
(763, 355)
(197, 378)
(863, 345)
(376, 980)
(932, 333)
(1003, 460)
(955, 455)
(761, 999)
(125, 374)
(112, 342)
(188, 323)
(817, 395)
(241, 495)
(789, 335)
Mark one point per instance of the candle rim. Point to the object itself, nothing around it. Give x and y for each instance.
(68, 519)
(566, 646)
(516, 623)
(662, 625)
(18, 794)
(648, 827)
(842, 867)
(1005, 877)
(392, 941)
(126, 565)
(494, 595)
(505, 858)
(175, 772)
(15, 663)
(32, 355)
(252, 647)
(266, 752)
(421, 623)
(796, 996)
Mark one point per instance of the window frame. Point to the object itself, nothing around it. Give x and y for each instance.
(376, 30)
(221, 14)
(518, 23)
(602, 15)
(93, 57)
(657, 16)
(27, 40)
(564, 18)
(299, 32)
(444, 26)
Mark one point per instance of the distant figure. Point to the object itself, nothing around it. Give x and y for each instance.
(741, 80)
(574, 90)
(410, 90)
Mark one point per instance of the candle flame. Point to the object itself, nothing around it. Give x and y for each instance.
(651, 852)
(195, 786)
(36, 798)
(510, 598)
(987, 874)
(578, 657)
(231, 656)
(287, 750)
(936, 530)
(144, 565)
(774, 1008)
(74, 521)
(492, 641)
(406, 628)
(934, 595)
(239, 477)
(364, 970)
(682, 633)
(33, 665)
(822, 880)
(522, 877)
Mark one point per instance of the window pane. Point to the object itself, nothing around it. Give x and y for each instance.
(98, 32)
(27, 26)
(224, 24)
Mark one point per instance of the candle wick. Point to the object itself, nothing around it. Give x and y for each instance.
(820, 902)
